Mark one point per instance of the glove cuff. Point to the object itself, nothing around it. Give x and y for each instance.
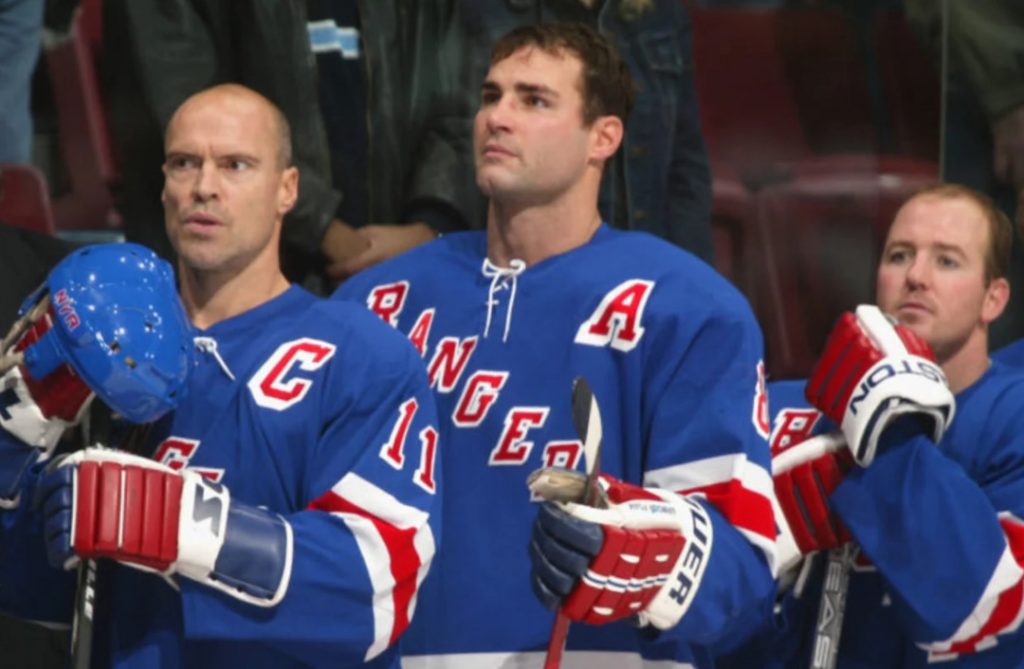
(674, 598)
(23, 418)
(893, 386)
(238, 549)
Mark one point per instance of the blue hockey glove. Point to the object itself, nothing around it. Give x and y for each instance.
(644, 555)
(100, 503)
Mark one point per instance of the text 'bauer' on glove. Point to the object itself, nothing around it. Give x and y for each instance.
(642, 555)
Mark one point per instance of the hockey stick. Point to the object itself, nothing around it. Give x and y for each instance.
(586, 417)
(81, 628)
(829, 626)
(96, 431)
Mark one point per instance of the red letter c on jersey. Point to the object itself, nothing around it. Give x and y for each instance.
(273, 387)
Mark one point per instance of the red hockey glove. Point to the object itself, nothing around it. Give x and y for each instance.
(870, 373)
(805, 474)
(34, 412)
(643, 555)
(102, 503)
(37, 411)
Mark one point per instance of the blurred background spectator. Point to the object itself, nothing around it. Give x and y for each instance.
(395, 142)
(393, 100)
(21, 27)
(979, 47)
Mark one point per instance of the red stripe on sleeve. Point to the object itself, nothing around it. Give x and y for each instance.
(404, 561)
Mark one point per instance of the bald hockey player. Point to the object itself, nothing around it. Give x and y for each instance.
(282, 515)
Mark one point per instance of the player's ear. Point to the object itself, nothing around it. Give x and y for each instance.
(997, 295)
(605, 136)
(288, 190)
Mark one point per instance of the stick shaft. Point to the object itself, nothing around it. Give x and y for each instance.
(829, 625)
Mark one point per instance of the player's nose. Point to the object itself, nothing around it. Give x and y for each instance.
(206, 185)
(497, 115)
(918, 271)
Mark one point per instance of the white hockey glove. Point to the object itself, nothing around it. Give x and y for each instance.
(643, 555)
(102, 503)
(873, 371)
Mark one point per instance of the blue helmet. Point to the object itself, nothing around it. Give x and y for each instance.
(120, 325)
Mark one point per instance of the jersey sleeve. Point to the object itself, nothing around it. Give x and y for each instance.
(29, 587)
(367, 531)
(708, 428)
(949, 548)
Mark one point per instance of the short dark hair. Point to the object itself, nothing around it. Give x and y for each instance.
(606, 87)
(1000, 230)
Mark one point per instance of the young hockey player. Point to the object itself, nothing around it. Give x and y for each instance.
(506, 319)
(933, 501)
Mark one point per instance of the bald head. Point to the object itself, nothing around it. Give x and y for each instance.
(238, 99)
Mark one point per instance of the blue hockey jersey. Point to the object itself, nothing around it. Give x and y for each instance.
(672, 353)
(941, 537)
(1011, 354)
(315, 410)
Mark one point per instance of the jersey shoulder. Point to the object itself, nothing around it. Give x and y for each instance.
(343, 332)
(990, 413)
(680, 272)
(359, 333)
(1011, 355)
(443, 259)
(684, 279)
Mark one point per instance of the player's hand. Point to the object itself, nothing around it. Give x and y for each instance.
(34, 412)
(37, 409)
(340, 245)
(380, 242)
(805, 474)
(99, 503)
(873, 371)
(644, 555)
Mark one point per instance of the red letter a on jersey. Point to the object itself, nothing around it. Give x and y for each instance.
(616, 321)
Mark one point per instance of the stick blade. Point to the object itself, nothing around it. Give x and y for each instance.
(586, 417)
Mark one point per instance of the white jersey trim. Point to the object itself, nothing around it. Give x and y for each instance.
(375, 551)
(722, 469)
(1007, 574)
(535, 660)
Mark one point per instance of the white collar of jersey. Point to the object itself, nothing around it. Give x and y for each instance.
(209, 345)
(501, 278)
